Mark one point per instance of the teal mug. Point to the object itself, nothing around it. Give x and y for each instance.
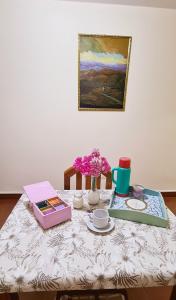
(121, 180)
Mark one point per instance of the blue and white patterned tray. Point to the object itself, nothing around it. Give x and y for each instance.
(150, 210)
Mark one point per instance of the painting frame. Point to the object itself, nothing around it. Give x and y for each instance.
(102, 65)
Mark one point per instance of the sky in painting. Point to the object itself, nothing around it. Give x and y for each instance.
(101, 52)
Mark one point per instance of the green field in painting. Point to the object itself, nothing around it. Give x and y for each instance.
(102, 89)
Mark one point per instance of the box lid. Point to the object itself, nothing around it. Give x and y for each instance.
(40, 191)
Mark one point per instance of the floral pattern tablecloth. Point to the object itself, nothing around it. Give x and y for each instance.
(71, 257)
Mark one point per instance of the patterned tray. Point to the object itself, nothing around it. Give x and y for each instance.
(149, 210)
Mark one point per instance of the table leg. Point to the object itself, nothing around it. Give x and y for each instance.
(173, 295)
(14, 296)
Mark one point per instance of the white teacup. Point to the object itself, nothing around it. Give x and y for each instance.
(100, 218)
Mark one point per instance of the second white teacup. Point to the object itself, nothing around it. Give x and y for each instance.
(100, 218)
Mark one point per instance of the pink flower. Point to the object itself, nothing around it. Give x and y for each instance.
(92, 164)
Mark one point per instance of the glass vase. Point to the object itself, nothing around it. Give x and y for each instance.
(93, 195)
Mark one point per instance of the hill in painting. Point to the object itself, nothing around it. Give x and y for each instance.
(102, 87)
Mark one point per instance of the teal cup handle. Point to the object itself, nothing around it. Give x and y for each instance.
(113, 171)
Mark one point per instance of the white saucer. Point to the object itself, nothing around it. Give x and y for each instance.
(108, 228)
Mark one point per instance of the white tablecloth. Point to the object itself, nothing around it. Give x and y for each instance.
(70, 256)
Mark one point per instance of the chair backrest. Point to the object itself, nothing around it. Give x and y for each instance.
(79, 182)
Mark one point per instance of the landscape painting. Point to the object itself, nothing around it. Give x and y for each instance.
(103, 71)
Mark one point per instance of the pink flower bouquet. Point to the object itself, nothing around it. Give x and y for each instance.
(92, 164)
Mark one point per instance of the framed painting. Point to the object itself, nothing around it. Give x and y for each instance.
(103, 71)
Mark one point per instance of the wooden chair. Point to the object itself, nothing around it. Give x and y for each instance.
(93, 295)
(70, 172)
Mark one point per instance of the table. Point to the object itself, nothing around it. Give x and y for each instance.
(71, 257)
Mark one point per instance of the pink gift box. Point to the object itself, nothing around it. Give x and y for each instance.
(48, 208)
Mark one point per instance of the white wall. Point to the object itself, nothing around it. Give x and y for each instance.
(41, 129)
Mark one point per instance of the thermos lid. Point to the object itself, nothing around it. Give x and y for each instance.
(124, 162)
